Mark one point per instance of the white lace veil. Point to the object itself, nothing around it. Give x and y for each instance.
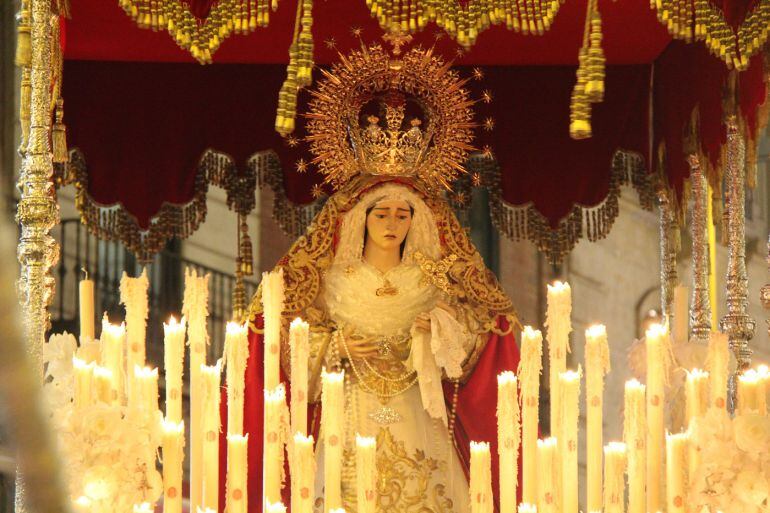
(422, 236)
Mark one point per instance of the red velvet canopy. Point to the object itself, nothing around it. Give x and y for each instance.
(143, 113)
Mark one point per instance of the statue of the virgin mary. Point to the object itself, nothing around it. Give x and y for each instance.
(395, 293)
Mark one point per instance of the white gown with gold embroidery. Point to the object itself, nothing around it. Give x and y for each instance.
(418, 469)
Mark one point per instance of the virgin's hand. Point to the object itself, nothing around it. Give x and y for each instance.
(359, 346)
(446, 307)
(422, 322)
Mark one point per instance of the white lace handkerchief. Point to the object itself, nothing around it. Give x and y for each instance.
(441, 349)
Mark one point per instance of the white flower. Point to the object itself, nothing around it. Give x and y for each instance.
(751, 487)
(58, 353)
(752, 433)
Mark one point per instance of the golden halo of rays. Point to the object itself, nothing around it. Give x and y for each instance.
(419, 74)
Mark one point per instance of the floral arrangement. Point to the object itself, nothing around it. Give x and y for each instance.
(109, 449)
(733, 474)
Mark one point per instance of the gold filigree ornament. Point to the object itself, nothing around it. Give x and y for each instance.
(405, 116)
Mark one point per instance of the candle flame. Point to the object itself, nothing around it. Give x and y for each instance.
(145, 372)
(479, 446)
(596, 331)
(233, 328)
(298, 323)
(299, 438)
(365, 441)
(527, 508)
(116, 330)
(696, 374)
(278, 507)
(332, 377)
(571, 375)
(83, 501)
(173, 427)
(547, 442)
(634, 384)
(750, 376)
(656, 330)
(80, 364)
(615, 447)
(506, 377)
(238, 439)
(558, 287)
(530, 332)
(278, 394)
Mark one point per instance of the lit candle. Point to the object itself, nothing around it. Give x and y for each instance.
(696, 394)
(675, 472)
(558, 324)
(530, 366)
(480, 485)
(508, 438)
(103, 386)
(133, 294)
(614, 482)
(84, 389)
(659, 363)
(173, 357)
(173, 458)
(144, 507)
(303, 474)
(210, 422)
(145, 395)
(332, 415)
(679, 331)
(236, 355)
(272, 307)
(751, 393)
(764, 381)
(527, 508)
(113, 345)
(366, 473)
(634, 434)
(569, 386)
(597, 361)
(275, 427)
(298, 342)
(717, 362)
(237, 473)
(86, 296)
(82, 504)
(277, 507)
(546, 471)
(195, 310)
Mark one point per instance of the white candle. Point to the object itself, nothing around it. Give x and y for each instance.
(681, 316)
(299, 344)
(764, 381)
(332, 415)
(210, 422)
(696, 394)
(559, 326)
(366, 474)
(173, 458)
(530, 366)
(84, 388)
(237, 473)
(614, 482)
(659, 363)
(145, 395)
(717, 362)
(634, 434)
(597, 361)
(751, 393)
(133, 294)
(508, 438)
(569, 385)
(272, 307)
(86, 296)
(275, 507)
(547, 454)
(275, 427)
(676, 491)
(173, 357)
(113, 345)
(236, 355)
(195, 310)
(144, 507)
(103, 384)
(480, 485)
(302, 474)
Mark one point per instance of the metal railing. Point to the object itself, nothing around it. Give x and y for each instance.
(106, 261)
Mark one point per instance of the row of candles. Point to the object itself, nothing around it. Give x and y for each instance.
(549, 466)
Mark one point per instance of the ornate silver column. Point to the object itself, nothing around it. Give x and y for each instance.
(736, 322)
(764, 293)
(700, 304)
(38, 211)
(668, 276)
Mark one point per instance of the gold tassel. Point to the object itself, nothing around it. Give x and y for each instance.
(24, 108)
(595, 62)
(59, 135)
(580, 109)
(245, 255)
(24, 37)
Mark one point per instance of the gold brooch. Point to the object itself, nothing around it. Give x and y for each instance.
(387, 289)
(435, 271)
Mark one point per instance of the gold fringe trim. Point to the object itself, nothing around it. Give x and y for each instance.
(202, 40)
(700, 20)
(525, 222)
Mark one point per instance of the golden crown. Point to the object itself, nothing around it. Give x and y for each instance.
(400, 116)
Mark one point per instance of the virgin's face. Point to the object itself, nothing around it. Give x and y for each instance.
(388, 223)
